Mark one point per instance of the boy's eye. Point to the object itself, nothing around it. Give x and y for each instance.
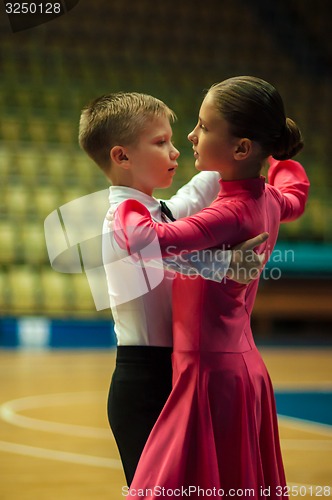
(203, 127)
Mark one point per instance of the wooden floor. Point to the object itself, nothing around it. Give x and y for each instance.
(54, 437)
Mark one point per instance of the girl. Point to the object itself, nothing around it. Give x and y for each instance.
(129, 136)
(217, 434)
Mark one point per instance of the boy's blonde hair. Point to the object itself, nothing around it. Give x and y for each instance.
(117, 120)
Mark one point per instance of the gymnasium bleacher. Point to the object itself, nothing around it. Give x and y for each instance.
(173, 51)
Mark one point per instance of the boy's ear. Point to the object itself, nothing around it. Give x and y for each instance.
(242, 149)
(118, 156)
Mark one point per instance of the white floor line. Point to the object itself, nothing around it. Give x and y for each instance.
(309, 385)
(61, 456)
(76, 458)
(305, 425)
(306, 444)
(8, 413)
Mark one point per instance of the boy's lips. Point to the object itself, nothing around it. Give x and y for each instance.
(196, 155)
(172, 169)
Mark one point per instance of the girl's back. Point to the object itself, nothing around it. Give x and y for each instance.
(217, 315)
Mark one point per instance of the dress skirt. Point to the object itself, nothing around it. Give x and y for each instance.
(217, 432)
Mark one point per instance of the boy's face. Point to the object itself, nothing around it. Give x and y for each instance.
(152, 160)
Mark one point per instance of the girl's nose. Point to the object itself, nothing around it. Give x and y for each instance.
(192, 137)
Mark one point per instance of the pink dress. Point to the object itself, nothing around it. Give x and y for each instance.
(218, 431)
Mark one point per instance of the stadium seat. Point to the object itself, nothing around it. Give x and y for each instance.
(33, 243)
(9, 238)
(24, 290)
(55, 288)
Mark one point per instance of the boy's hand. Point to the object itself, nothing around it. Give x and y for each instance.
(245, 264)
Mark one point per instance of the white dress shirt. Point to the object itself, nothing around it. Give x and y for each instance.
(141, 297)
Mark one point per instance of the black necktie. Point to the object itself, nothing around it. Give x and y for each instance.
(165, 210)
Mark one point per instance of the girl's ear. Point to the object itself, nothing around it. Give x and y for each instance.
(119, 157)
(243, 149)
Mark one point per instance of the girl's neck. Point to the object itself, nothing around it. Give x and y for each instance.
(241, 170)
(240, 175)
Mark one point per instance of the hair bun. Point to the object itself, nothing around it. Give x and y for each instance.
(289, 143)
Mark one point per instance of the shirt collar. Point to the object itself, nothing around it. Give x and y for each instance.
(118, 194)
(254, 185)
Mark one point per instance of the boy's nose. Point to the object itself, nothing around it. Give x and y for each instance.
(175, 153)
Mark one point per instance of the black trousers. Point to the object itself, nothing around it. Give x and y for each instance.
(141, 384)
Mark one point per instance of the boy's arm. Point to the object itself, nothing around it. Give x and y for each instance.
(240, 264)
(292, 183)
(198, 193)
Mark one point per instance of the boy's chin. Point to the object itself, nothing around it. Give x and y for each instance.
(165, 185)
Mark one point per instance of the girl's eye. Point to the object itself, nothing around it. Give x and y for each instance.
(203, 127)
(161, 142)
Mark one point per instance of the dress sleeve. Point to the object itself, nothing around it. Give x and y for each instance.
(135, 230)
(197, 194)
(292, 187)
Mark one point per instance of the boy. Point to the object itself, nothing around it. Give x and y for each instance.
(129, 136)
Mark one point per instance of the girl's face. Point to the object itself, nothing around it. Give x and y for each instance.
(213, 143)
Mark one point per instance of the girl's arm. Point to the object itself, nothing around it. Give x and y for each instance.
(292, 184)
(135, 230)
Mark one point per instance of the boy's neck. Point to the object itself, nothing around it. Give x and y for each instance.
(118, 180)
(148, 192)
(123, 179)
